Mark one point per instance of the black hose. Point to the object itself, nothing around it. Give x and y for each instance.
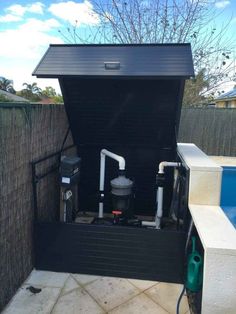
(179, 300)
(185, 255)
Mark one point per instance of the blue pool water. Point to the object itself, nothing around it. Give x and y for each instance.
(228, 193)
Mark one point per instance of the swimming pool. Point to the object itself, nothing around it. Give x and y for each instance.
(228, 193)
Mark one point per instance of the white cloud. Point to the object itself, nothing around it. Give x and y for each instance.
(17, 11)
(20, 10)
(36, 7)
(29, 40)
(22, 73)
(222, 4)
(71, 11)
(34, 25)
(23, 47)
(10, 18)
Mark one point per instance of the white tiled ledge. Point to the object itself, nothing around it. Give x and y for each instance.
(224, 160)
(216, 232)
(204, 176)
(195, 159)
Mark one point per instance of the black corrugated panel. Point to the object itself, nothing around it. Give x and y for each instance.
(163, 60)
(111, 251)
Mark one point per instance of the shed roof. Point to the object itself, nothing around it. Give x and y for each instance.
(153, 60)
(13, 97)
(228, 95)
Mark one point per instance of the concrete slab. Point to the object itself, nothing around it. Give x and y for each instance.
(25, 302)
(84, 279)
(143, 284)
(110, 292)
(70, 284)
(139, 305)
(85, 294)
(77, 302)
(166, 295)
(47, 278)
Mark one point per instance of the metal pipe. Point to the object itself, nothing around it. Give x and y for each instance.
(121, 161)
(36, 161)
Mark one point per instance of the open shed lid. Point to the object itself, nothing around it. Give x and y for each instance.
(136, 60)
(125, 98)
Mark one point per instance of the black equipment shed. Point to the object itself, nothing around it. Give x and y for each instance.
(127, 99)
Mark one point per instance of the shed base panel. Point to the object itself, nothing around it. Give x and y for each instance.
(110, 251)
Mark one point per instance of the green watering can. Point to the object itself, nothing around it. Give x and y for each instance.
(195, 269)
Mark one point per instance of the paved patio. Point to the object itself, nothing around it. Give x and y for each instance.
(64, 293)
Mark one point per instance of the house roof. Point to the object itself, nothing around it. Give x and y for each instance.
(153, 60)
(13, 97)
(229, 95)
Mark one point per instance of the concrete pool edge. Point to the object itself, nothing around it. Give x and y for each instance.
(217, 234)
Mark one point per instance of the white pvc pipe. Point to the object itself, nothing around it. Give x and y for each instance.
(100, 210)
(121, 161)
(159, 212)
(164, 164)
(149, 223)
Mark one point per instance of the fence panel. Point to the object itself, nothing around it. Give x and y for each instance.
(211, 129)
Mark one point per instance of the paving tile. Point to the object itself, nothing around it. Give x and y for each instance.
(139, 305)
(143, 284)
(47, 278)
(25, 302)
(77, 302)
(110, 292)
(70, 284)
(84, 279)
(167, 294)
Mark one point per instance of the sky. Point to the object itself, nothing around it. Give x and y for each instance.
(27, 28)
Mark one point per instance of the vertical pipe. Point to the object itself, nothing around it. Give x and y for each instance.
(100, 211)
(101, 184)
(102, 172)
(159, 212)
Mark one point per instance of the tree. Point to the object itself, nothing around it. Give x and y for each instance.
(35, 94)
(167, 21)
(31, 92)
(57, 99)
(193, 91)
(7, 85)
(49, 92)
(33, 88)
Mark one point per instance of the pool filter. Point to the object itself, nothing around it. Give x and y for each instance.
(121, 195)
